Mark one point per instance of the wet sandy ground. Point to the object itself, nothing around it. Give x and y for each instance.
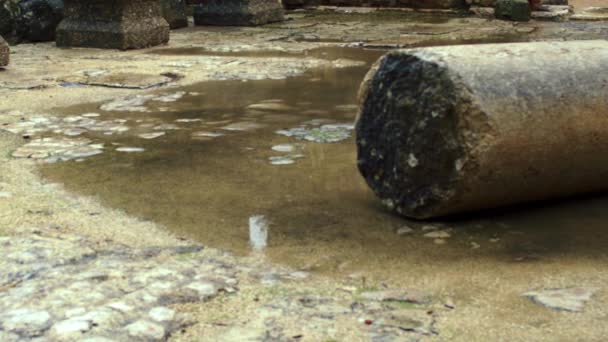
(322, 218)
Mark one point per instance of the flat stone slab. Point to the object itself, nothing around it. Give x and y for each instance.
(4, 52)
(591, 14)
(112, 24)
(238, 12)
(569, 299)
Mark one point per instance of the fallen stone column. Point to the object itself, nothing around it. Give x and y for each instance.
(459, 128)
(4, 52)
(112, 24)
(238, 12)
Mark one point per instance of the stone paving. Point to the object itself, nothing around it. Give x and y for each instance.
(64, 287)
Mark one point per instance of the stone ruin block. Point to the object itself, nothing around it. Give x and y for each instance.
(515, 10)
(112, 24)
(4, 51)
(174, 12)
(237, 12)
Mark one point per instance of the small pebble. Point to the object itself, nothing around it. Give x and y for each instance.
(404, 230)
(127, 149)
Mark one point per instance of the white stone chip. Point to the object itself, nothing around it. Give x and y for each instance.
(127, 149)
(204, 289)
(284, 148)
(161, 314)
(152, 135)
(70, 327)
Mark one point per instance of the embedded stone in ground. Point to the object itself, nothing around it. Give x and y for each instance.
(237, 12)
(26, 322)
(112, 24)
(4, 51)
(570, 299)
(174, 12)
(146, 330)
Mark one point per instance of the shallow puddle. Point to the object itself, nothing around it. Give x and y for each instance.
(220, 165)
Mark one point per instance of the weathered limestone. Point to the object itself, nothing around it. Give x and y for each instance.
(174, 11)
(4, 52)
(238, 12)
(454, 129)
(516, 10)
(112, 24)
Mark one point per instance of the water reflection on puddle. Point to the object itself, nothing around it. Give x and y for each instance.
(258, 232)
(223, 173)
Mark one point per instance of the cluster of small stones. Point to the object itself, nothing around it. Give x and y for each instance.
(53, 149)
(288, 155)
(391, 315)
(63, 287)
(67, 143)
(328, 133)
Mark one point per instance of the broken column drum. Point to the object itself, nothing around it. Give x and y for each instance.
(238, 12)
(4, 52)
(454, 129)
(112, 24)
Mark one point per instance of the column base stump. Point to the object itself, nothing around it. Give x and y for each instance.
(238, 12)
(112, 24)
